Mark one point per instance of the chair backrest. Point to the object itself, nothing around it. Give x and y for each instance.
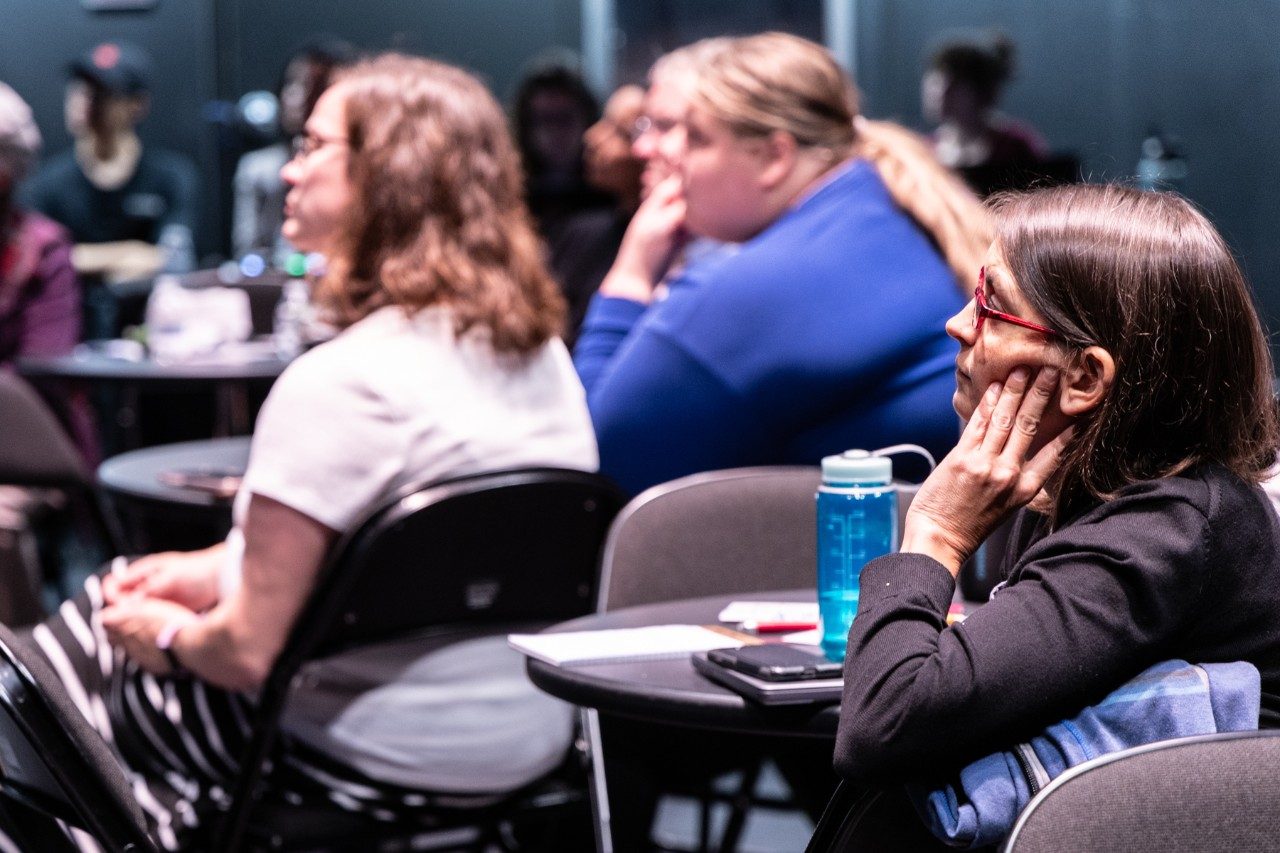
(36, 450)
(53, 762)
(476, 555)
(1211, 794)
(492, 549)
(733, 531)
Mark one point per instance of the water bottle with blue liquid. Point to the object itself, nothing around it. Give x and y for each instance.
(857, 522)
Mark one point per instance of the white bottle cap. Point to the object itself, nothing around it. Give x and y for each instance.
(858, 467)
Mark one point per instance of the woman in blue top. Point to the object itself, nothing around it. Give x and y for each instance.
(823, 330)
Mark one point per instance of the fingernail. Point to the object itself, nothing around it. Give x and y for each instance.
(1018, 373)
(1050, 372)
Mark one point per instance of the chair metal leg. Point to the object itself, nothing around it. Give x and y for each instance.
(599, 787)
(740, 806)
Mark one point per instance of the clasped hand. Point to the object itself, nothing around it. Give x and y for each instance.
(150, 593)
(990, 473)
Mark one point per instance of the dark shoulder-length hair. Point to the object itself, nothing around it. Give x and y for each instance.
(438, 215)
(1145, 276)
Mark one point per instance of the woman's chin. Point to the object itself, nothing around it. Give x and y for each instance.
(961, 403)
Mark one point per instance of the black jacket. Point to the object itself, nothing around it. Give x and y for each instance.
(1183, 567)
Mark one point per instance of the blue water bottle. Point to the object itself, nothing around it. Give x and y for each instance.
(857, 522)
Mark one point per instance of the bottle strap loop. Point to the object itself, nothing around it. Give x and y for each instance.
(894, 449)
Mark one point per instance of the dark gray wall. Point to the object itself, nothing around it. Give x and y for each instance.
(39, 38)
(494, 38)
(650, 28)
(1095, 74)
(207, 49)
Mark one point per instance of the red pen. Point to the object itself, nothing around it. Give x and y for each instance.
(778, 627)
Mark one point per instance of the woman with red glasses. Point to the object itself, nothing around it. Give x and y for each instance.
(1117, 386)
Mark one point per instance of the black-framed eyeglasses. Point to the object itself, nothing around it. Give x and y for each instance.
(309, 143)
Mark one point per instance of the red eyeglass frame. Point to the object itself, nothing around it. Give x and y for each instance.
(981, 311)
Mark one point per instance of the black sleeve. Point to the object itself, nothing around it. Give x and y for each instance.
(182, 189)
(1090, 606)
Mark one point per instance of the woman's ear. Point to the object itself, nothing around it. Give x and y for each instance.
(778, 151)
(1086, 381)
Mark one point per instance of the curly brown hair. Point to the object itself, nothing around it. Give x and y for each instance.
(438, 215)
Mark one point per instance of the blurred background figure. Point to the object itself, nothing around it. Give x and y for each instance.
(553, 109)
(823, 331)
(960, 94)
(583, 250)
(659, 135)
(39, 316)
(259, 193)
(131, 210)
(39, 291)
(610, 164)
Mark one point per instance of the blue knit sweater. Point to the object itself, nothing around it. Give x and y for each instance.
(822, 333)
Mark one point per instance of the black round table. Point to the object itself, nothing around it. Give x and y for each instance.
(670, 691)
(157, 516)
(230, 375)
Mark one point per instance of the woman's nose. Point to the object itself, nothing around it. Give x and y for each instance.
(289, 172)
(961, 327)
(642, 146)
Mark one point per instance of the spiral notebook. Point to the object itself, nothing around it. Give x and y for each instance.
(654, 642)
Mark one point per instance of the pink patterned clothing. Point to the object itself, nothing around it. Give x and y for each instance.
(40, 313)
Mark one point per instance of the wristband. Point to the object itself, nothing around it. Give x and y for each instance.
(164, 642)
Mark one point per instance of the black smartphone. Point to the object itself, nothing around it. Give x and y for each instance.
(777, 662)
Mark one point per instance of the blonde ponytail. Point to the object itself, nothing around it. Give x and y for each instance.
(934, 196)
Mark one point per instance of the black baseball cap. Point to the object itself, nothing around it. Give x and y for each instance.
(119, 67)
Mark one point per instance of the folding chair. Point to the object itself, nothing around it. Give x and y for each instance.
(37, 453)
(869, 821)
(54, 766)
(447, 561)
(1212, 794)
(734, 531)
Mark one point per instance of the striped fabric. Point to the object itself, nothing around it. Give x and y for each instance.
(179, 739)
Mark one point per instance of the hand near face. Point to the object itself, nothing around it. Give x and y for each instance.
(990, 473)
(654, 237)
(133, 624)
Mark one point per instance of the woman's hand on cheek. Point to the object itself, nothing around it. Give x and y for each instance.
(989, 474)
(653, 238)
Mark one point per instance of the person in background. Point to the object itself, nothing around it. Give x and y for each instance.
(40, 312)
(448, 364)
(960, 94)
(259, 193)
(131, 210)
(583, 251)
(822, 332)
(659, 133)
(553, 109)
(39, 316)
(1117, 387)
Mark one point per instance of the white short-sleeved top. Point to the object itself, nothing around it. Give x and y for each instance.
(395, 399)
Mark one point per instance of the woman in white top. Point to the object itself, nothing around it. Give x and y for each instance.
(448, 364)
